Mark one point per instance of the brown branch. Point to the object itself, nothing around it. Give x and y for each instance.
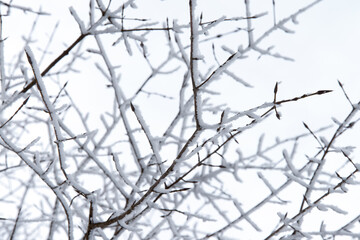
(55, 61)
(150, 190)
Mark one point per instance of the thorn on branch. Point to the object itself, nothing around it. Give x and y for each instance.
(132, 107)
(188, 181)
(180, 190)
(275, 92)
(323, 92)
(348, 158)
(312, 133)
(338, 175)
(23, 104)
(221, 121)
(342, 88)
(320, 92)
(212, 165)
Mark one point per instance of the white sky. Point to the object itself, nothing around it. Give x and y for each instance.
(325, 47)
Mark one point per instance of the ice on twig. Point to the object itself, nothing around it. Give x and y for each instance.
(267, 183)
(325, 207)
(251, 222)
(136, 37)
(294, 19)
(124, 175)
(324, 141)
(321, 207)
(357, 165)
(337, 209)
(176, 28)
(285, 29)
(289, 163)
(343, 188)
(154, 142)
(227, 49)
(212, 24)
(73, 182)
(102, 118)
(236, 78)
(127, 44)
(314, 160)
(78, 20)
(296, 179)
(284, 218)
(129, 227)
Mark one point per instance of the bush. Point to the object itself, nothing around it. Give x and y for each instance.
(170, 120)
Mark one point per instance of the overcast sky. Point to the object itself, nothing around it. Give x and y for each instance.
(325, 48)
